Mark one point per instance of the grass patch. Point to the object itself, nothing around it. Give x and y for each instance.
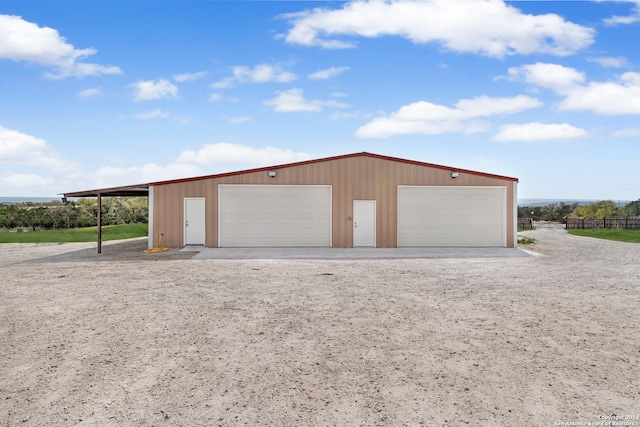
(525, 241)
(618, 234)
(88, 234)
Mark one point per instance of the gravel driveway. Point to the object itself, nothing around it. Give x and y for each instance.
(162, 339)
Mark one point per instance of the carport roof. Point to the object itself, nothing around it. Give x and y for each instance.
(139, 190)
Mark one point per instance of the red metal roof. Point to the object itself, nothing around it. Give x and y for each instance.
(326, 159)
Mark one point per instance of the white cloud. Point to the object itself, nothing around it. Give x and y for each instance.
(425, 118)
(607, 98)
(327, 73)
(610, 62)
(21, 149)
(486, 27)
(82, 69)
(224, 83)
(385, 127)
(109, 176)
(551, 76)
(160, 114)
(19, 184)
(215, 97)
(538, 132)
(628, 19)
(16, 146)
(627, 133)
(290, 101)
(189, 77)
(28, 165)
(90, 93)
(261, 73)
(53, 174)
(483, 106)
(190, 163)
(146, 90)
(153, 114)
(209, 158)
(21, 40)
(616, 20)
(224, 153)
(237, 120)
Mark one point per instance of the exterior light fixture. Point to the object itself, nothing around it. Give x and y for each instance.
(454, 175)
(272, 174)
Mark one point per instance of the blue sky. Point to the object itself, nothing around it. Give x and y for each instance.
(103, 93)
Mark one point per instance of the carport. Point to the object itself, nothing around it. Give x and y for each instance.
(140, 190)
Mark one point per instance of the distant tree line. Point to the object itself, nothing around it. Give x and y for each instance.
(599, 210)
(551, 212)
(128, 210)
(74, 214)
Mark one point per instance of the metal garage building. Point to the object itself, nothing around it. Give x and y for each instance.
(353, 200)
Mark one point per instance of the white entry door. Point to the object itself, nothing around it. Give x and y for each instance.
(194, 220)
(364, 223)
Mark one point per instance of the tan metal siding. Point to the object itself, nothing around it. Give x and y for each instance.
(352, 178)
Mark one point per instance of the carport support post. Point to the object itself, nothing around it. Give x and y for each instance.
(99, 223)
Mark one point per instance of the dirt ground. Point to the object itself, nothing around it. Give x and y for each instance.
(150, 340)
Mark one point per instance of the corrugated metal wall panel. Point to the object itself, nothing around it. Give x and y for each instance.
(352, 178)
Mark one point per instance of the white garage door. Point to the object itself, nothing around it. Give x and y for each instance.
(452, 216)
(274, 215)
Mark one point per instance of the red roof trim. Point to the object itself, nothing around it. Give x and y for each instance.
(327, 159)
